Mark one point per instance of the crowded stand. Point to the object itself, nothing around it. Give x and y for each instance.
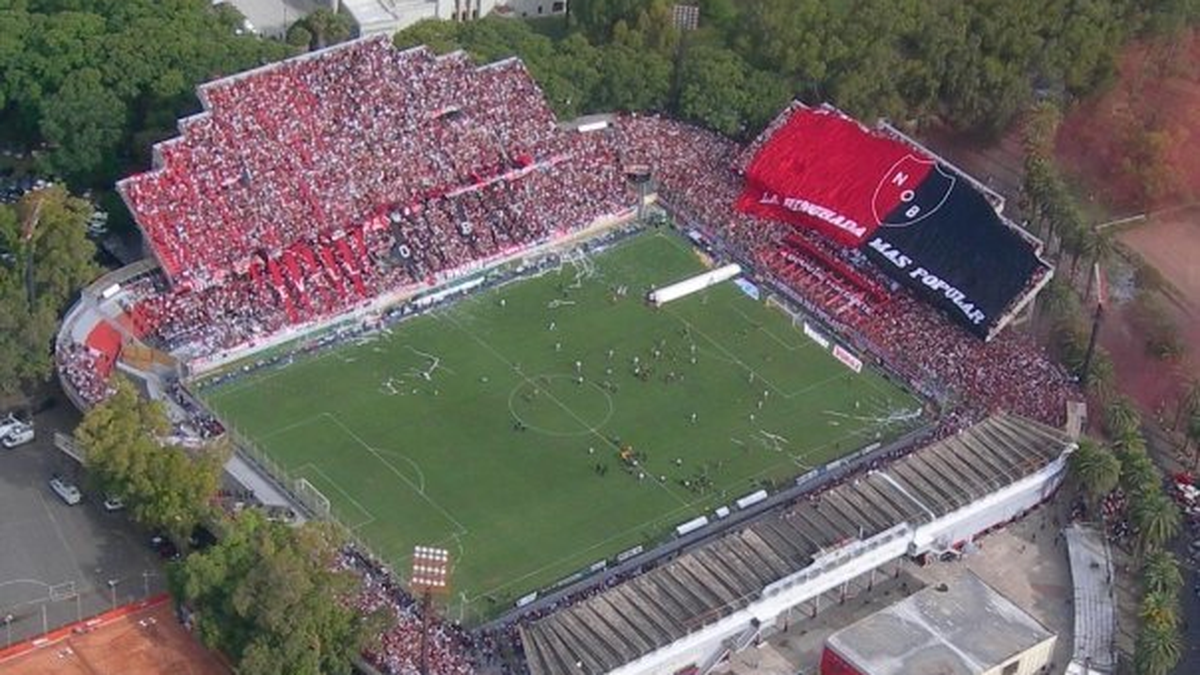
(331, 179)
(317, 147)
(83, 368)
(398, 651)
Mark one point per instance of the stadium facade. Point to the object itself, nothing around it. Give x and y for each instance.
(689, 614)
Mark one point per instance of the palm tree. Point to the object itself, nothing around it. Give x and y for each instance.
(1156, 519)
(1138, 473)
(1101, 375)
(1128, 443)
(1159, 609)
(1193, 438)
(1041, 127)
(1160, 573)
(1189, 403)
(1096, 470)
(1071, 233)
(1058, 300)
(1121, 417)
(1157, 650)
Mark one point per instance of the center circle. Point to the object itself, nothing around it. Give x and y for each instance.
(559, 405)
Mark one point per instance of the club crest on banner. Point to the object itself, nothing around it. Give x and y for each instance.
(910, 191)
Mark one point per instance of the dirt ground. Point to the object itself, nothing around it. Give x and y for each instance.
(147, 642)
(1171, 245)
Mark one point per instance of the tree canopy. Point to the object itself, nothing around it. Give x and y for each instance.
(45, 257)
(321, 28)
(271, 598)
(96, 81)
(166, 488)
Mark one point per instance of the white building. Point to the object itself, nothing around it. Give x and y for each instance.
(961, 628)
(388, 16)
(689, 614)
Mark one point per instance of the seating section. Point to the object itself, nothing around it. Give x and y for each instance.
(312, 186)
(84, 370)
(321, 144)
(839, 283)
(105, 343)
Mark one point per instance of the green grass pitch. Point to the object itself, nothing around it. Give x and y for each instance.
(469, 427)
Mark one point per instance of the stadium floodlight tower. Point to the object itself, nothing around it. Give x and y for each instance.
(430, 575)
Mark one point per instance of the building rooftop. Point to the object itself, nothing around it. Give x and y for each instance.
(1095, 612)
(700, 587)
(964, 628)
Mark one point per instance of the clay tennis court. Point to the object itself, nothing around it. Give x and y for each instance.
(145, 641)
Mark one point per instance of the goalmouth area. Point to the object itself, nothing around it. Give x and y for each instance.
(540, 427)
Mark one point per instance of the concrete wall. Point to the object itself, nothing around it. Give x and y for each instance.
(993, 509)
(376, 17)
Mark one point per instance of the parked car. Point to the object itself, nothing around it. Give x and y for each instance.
(9, 423)
(165, 548)
(112, 503)
(66, 491)
(17, 437)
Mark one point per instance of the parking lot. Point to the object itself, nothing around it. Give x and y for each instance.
(61, 563)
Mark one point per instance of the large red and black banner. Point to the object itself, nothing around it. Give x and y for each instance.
(921, 222)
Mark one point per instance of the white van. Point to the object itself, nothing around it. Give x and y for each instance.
(67, 492)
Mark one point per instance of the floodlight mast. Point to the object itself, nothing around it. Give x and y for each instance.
(430, 574)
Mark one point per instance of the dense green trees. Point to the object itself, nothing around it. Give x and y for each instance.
(45, 257)
(166, 488)
(271, 598)
(321, 28)
(974, 65)
(96, 80)
(267, 595)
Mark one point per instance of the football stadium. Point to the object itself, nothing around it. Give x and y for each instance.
(647, 388)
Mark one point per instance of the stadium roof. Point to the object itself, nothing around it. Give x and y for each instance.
(963, 628)
(652, 610)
